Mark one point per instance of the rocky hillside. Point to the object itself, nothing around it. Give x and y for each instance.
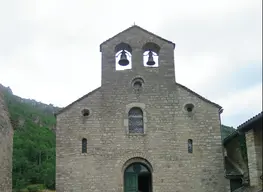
(226, 131)
(34, 149)
(28, 109)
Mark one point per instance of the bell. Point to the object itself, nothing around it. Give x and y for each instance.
(150, 59)
(123, 60)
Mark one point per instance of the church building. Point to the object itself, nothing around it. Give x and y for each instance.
(141, 131)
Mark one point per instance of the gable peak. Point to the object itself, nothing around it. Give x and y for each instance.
(134, 26)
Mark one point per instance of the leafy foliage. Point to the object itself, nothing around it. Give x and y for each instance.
(33, 144)
(35, 188)
(226, 131)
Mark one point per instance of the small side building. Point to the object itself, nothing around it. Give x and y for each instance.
(6, 147)
(243, 156)
(253, 132)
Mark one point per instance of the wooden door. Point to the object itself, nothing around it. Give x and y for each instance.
(131, 182)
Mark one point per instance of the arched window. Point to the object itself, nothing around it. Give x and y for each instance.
(84, 145)
(190, 146)
(135, 120)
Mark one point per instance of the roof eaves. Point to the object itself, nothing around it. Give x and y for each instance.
(230, 137)
(140, 29)
(68, 106)
(201, 97)
(233, 176)
(244, 127)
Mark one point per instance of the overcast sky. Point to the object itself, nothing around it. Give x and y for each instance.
(49, 49)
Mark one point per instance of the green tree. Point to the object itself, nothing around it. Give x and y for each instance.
(33, 144)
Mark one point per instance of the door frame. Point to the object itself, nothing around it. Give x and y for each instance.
(125, 174)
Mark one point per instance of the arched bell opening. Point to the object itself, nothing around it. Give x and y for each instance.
(151, 55)
(137, 177)
(123, 56)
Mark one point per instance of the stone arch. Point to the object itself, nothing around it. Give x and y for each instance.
(122, 46)
(120, 165)
(146, 171)
(139, 155)
(151, 46)
(137, 160)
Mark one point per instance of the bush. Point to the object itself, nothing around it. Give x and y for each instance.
(35, 188)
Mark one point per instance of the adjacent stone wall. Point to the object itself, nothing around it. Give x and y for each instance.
(254, 151)
(6, 148)
(164, 144)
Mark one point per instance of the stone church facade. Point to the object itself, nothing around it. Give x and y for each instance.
(141, 130)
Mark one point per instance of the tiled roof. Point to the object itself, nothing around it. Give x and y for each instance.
(246, 126)
(230, 137)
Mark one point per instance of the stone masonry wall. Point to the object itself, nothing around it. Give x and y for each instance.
(167, 129)
(6, 148)
(254, 152)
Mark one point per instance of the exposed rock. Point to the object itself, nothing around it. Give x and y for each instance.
(37, 111)
(46, 108)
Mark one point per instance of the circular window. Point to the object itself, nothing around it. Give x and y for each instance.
(189, 107)
(137, 83)
(85, 112)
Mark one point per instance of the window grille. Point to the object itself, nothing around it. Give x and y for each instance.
(135, 120)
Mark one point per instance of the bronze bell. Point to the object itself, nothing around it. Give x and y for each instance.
(123, 60)
(150, 59)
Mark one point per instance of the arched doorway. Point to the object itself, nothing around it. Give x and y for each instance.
(137, 178)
